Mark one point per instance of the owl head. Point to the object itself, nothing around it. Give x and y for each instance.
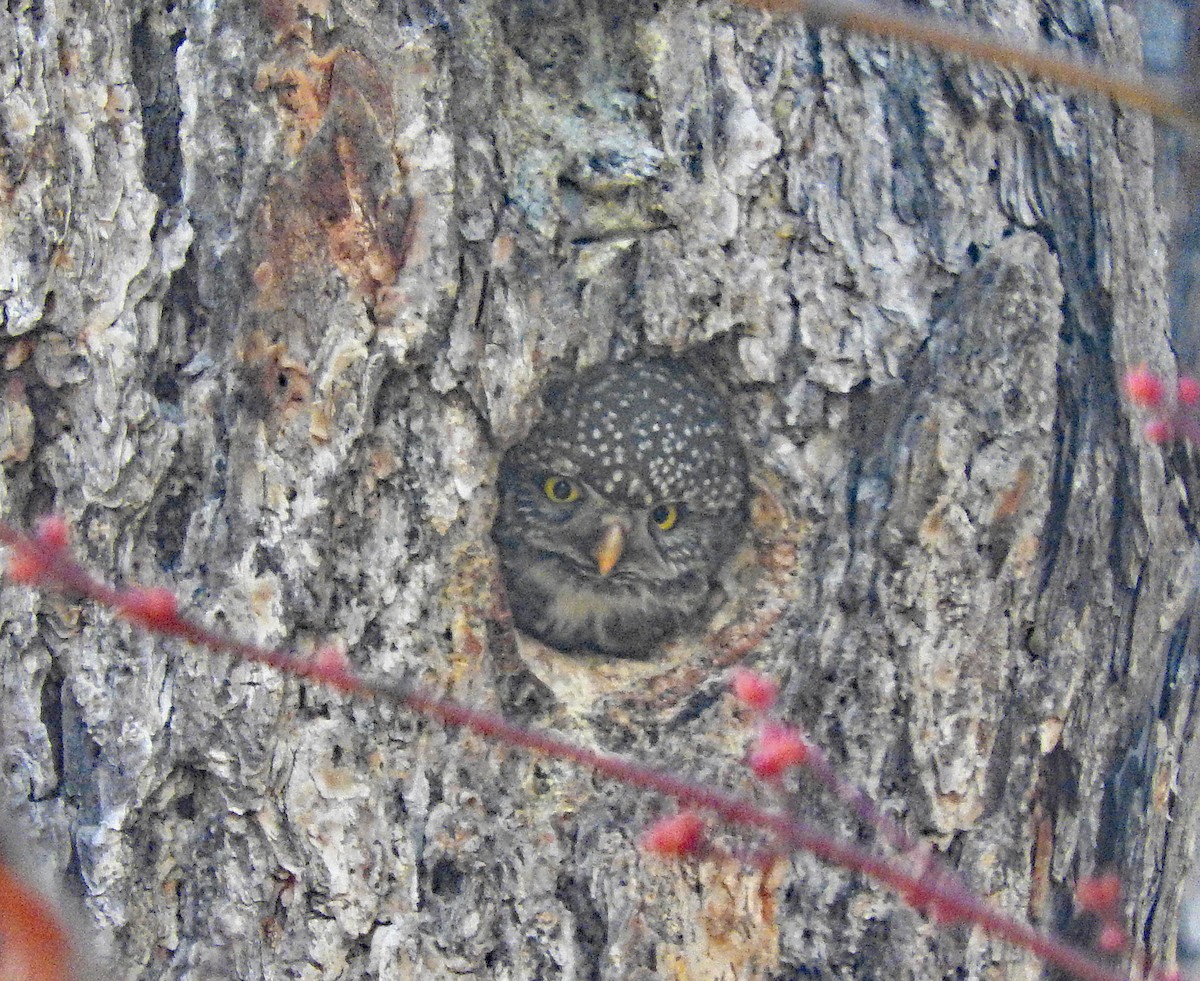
(620, 507)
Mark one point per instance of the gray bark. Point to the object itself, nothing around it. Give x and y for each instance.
(279, 287)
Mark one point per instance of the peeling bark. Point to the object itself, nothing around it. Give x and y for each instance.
(281, 283)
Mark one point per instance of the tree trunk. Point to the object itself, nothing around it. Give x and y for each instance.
(280, 285)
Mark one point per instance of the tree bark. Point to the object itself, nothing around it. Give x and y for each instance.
(282, 282)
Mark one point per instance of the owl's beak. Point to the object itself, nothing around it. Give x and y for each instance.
(609, 548)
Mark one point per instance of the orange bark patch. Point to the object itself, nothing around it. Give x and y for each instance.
(346, 200)
(283, 380)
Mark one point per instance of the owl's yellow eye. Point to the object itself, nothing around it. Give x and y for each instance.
(560, 490)
(665, 516)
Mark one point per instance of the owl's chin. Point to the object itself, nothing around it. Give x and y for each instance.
(573, 612)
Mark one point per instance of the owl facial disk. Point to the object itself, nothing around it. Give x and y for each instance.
(618, 510)
(609, 547)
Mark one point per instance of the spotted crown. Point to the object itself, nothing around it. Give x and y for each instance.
(652, 431)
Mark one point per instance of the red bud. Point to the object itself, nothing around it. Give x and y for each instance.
(779, 748)
(674, 836)
(754, 690)
(1144, 388)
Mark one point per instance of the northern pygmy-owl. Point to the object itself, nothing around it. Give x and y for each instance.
(620, 507)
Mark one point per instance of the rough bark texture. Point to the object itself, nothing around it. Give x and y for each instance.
(279, 286)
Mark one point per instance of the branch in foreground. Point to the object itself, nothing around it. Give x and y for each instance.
(33, 939)
(43, 561)
(956, 37)
(1174, 409)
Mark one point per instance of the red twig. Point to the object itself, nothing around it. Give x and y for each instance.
(33, 940)
(43, 560)
(1174, 409)
(956, 37)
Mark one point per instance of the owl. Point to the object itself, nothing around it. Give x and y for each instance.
(620, 508)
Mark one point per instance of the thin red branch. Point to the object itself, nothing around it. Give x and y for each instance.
(956, 37)
(43, 561)
(857, 800)
(33, 940)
